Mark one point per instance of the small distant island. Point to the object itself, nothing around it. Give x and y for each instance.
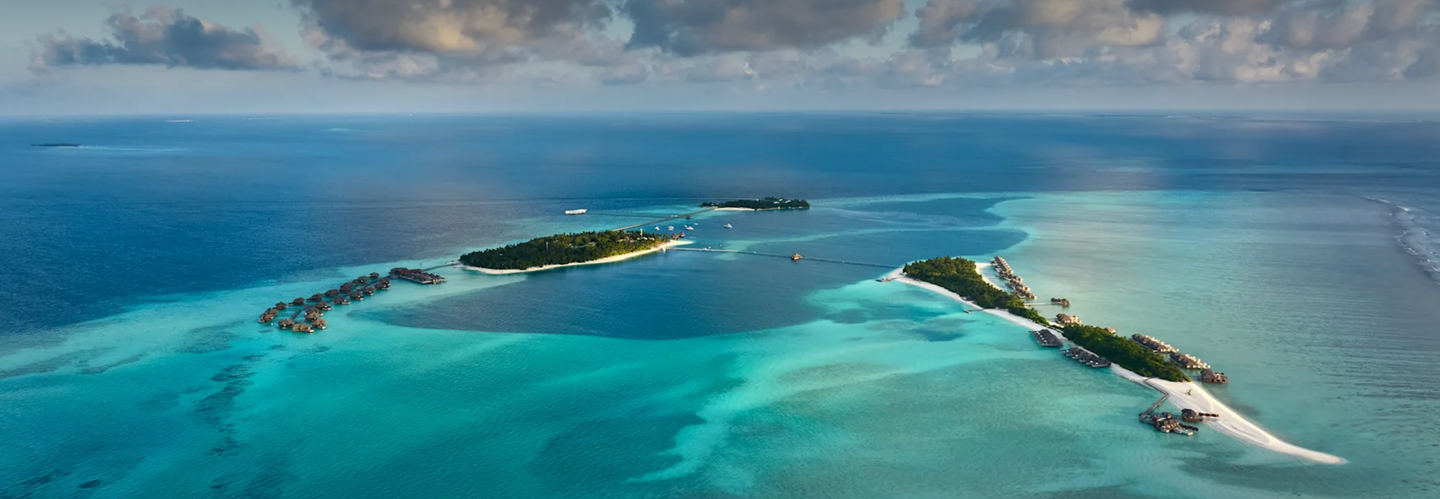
(567, 249)
(770, 203)
(962, 277)
(55, 144)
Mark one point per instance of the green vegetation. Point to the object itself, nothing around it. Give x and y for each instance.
(1128, 354)
(561, 249)
(771, 203)
(961, 277)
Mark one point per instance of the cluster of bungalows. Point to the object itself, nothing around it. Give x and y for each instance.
(1067, 319)
(356, 289)
(1046, 338)
(1188, 361)
(1152, 343)
(1064, 302)
(417, 276)
(1194, 416)
(1084, 356)
(1180, 359)
(1166, 422)
(1012, 281)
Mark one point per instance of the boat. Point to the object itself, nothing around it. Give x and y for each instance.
(687, 227)
(670, 228)
(581, 211)
(657, 228)
(728, 226)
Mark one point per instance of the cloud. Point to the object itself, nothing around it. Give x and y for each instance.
(694, 27)
(164, 36)
(941, 22)
(457, 40)
(1220, 7)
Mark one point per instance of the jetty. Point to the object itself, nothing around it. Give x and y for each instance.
(1084, 356)
(792, 257)
(1165, 422)
(1046, 338)
(657, 221)
(418, 276)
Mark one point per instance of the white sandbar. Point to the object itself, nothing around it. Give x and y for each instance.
(1184, 395)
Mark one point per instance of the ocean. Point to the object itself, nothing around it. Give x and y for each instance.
(1294, 252)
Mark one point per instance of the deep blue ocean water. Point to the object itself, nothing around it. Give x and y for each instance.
(1296, 252)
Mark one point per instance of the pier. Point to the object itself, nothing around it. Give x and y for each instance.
(791, 257)
(656, 221)
(1165, 422)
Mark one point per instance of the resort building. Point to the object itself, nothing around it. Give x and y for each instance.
(1066, 319)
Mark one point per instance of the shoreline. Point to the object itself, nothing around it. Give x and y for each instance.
(1191, 395)
(611, 259)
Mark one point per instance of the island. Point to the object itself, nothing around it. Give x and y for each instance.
(55, 144)
(962, 277)
(562, 250)
(770, 203)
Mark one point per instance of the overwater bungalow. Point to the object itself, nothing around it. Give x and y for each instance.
(331, 293)
(268, 316)
(318, 323)
(1046, 338)
(796, 257)
(286, 323)
(1084, 356)
(1060, 301)
(356, 295)
(374, 275)
(1152, 343)
(342, 300)
(1195, 416)
(1209, 376)
(1188, 361)
(298, 302)
(317, 297)
(1066, 319)
(280, 305)
(369, 291)
(303, 328)
(324, 307)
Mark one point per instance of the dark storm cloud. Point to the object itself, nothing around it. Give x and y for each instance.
(693, 27)
(164, 36)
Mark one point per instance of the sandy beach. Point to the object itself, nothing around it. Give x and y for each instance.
(612, 259)
(1183, 395)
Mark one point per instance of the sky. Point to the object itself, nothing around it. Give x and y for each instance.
(104, 57)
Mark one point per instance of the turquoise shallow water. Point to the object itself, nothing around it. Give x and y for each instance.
(714, 375)
(1297, 255)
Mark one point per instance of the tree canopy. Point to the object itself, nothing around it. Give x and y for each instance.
(561, 249)
(770, 203)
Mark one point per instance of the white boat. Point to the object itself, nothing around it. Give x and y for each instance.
(576, 212)
(728, 226)
(687, 227)
(670, 228)
(657, 228)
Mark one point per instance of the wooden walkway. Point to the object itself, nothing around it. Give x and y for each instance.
(662, 220)
(787, 257)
